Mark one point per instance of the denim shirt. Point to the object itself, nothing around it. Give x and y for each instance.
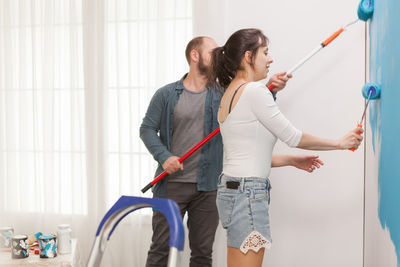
(156, 133)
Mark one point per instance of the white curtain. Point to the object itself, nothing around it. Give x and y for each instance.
(76, 77)
(43, 150)
(146, 50)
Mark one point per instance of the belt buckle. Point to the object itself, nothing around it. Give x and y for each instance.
(232, 184)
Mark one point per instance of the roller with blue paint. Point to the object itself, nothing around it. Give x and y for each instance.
(364, 12)
(369, 91)
(365, 9)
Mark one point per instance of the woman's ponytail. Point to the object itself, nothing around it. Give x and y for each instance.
(221, 72)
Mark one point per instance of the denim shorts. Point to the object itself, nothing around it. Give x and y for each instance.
(243, 207)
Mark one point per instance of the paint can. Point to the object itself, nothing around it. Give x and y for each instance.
(64, 239)
(19, 247)
(48, 246)
(6, 234)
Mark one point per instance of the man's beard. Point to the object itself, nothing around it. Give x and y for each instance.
(203, 69)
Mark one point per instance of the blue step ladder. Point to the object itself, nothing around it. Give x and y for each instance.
(128, 204)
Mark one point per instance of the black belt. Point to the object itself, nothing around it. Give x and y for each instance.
(232, 184)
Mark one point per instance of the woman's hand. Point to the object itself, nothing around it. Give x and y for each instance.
(306, 162)
(352, 139)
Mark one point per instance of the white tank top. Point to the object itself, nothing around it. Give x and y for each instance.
(250, 131)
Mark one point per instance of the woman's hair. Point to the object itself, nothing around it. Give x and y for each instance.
(226, 59)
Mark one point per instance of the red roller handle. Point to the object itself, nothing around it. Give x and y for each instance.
(190, 152)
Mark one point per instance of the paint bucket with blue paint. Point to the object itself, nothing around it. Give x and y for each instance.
(48, 246)
(6, 234)
(19, 247)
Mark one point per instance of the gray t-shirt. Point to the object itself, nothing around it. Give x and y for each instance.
(188, 131)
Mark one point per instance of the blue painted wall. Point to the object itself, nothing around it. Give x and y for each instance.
(385, 113)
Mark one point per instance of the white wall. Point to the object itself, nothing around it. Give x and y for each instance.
(317, 219)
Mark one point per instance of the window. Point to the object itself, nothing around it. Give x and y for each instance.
(42, 140)
(42, 97)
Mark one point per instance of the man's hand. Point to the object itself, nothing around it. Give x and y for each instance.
(305, 162)
(172, 165)
(279, 81)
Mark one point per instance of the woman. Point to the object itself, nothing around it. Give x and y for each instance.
(251, 123)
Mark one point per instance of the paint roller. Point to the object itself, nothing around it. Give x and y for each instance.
(364, 12)
(365, 9)
(370, 91)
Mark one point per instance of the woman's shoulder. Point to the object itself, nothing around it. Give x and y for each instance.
(256, 89)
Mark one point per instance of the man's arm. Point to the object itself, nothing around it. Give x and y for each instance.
(149, 134)
(151, 126)
(302, 162)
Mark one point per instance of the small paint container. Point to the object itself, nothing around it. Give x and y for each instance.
(48, 246)
(64, 239)
(19, 247)
(6, 234)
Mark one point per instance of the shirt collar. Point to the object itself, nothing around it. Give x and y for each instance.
(180, 86)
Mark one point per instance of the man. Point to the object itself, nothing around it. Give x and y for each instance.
(183, 113)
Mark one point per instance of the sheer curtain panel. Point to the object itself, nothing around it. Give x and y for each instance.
(146, 50)
(76, 77)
